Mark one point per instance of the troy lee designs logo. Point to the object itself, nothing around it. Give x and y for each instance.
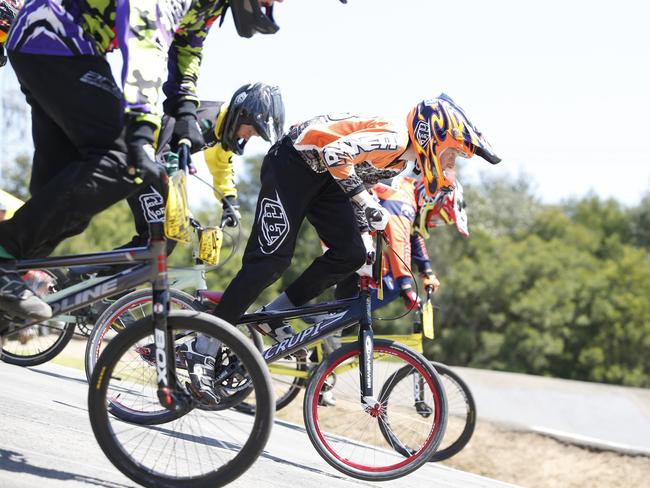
(153, 207)
(422, 133)
(273, 224)
(338, 152)
(98, 291)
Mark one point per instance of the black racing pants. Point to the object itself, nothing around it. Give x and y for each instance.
(79, 164)
(147, 206)
(290, 192)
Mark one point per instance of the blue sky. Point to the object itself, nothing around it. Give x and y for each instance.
(560, 88)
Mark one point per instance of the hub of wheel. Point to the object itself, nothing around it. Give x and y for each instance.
(376, 410)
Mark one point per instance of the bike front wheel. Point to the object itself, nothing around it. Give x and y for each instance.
(351, 436)
(196, 448)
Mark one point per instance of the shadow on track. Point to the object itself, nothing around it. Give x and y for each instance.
(16, 462)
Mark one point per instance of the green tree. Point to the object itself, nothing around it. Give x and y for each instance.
(15, 176)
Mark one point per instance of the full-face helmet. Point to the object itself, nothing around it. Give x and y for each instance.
(447, 207)
(256, 104)
(440, 132)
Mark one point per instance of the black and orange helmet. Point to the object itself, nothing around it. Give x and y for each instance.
(436, 125)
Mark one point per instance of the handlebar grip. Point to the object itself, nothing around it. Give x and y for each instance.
(184, 154)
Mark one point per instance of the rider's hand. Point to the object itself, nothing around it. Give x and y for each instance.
(376, 215)
(411, 300)
(430, 279)
(3, 56)
(230, 216)
(187, 127)
(141, 163)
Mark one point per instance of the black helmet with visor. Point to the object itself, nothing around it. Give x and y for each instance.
(258, 105)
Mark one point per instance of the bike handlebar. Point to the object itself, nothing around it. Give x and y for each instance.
(185, 156)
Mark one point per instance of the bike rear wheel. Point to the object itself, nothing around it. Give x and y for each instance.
(353, 439)
(403, 385)
(125, 311)
(461, 420)
(202, 448)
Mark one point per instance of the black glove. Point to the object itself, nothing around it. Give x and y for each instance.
(230, 216)
(3, 56)
(187, 127)
(142, 167)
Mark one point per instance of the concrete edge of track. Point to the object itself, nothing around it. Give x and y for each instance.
(575, 439)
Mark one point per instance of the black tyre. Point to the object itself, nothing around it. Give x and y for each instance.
(41, 342)
(125, 311)
(362, 442)
(461, 418)
(202, 448)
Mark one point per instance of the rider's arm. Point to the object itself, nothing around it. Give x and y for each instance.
(220, 164)
(185, 55)
(399, 229)
(419, 253)
(144, 51)
(379, 146)
(421, 258)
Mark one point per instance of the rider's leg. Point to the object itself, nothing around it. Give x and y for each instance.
(147, 206)
(333, 217)
(87, 109)
(289, 188)
(53, 150)
(90, 115)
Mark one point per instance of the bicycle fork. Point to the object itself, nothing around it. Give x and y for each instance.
(168, 394)
(366, 339)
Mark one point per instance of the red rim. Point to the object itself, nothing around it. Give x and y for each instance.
(121, 311)
(112, 319)
(408, 460)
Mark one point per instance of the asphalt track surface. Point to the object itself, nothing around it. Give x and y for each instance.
(46, 441)
(592, 414)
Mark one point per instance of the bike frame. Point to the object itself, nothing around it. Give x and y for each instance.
(153, 269)
(351, 311)
(413, 340)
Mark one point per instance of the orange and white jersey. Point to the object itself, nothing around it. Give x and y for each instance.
(399, 199)
(355, 150)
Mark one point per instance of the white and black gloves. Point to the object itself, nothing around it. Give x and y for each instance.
(369, 243)
(376, 215)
